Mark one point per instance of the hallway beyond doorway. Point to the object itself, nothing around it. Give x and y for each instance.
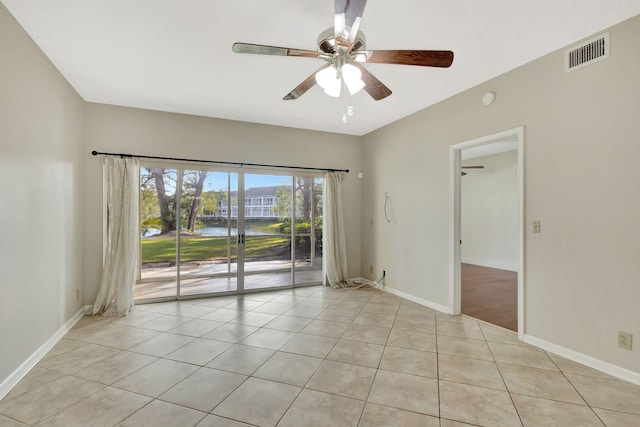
(491, 295)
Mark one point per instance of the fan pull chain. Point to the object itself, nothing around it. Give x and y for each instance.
(348, 107)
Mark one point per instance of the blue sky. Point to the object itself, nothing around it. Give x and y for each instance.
(218, 181)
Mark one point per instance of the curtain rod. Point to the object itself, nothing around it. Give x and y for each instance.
(218, 162)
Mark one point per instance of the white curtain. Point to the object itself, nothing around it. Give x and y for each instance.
(115, 297)
(334, 237)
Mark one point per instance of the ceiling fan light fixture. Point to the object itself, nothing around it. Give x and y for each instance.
(352, 77)
(328, 80)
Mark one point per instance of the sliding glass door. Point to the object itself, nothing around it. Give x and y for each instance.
(211, 232)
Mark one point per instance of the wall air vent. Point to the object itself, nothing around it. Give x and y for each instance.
(593, 50)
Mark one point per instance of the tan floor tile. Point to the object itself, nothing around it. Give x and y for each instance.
(36, 378)
(79, 358)
(410, 392)
(571, 367)
(317, 409)
(204, 389)
(357, 353)
(162, 344)
(408, 361)
(539, 383)
(343, 379)
(304, 311)
(370, 334)
(112, 368)
(166, 323)
(347, 305)
(199, 352)
(137, 317)
(617, 419)
(450, 423)
(272, 308)
(613, 394)
(460, 329)
(449, 318)
(541, 412)
(96, 332)
(477, 405)
(335, 315)
(104, 408)
(413, 340)
(241, 359)
(416, 311)
(482, 373)
(268, 338)
(500, 335)
(216, 421)
(288, 323)
(473, 349)
(245, 305)
(415, 325)
(222, 315)
(253, 318)
(326, 328)
(374, 319)
(258, 402)
(196, 328)
(158, 413)
(47, 400)
(288, 368)
(521, 355)
(310, 345)
(230, 332)
(156, 378)
(389, 308)
(128, 338)
(377, 415)
(63, 346)
(8, 422)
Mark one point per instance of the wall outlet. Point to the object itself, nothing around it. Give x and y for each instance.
(625, 340)
(536, 226)
(371, 269)
(78, 294)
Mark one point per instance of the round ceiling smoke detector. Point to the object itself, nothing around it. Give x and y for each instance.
(488, 98)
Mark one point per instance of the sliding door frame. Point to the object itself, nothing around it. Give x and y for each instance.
(240, 225)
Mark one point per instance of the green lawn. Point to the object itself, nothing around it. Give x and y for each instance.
(163, 249)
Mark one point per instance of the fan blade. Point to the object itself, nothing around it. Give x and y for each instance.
(373, 86)
(303, 87)
(425, 58)
(260, 49)
(348, 14)
(471, 167)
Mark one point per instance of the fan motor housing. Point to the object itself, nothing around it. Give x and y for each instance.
(327, 41)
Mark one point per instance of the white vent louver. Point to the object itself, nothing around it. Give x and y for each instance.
(587, 53)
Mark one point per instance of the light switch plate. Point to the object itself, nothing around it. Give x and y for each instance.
(536, 226)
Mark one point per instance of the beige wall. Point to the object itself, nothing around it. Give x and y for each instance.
(581, 181)
(489, 211)
(128, 130)
(40, 197)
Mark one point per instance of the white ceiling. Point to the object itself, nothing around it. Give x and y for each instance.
(176, 55)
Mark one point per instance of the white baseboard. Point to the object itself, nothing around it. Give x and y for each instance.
(27, 365)
(491, 264)
(426, 303)
(602, 366)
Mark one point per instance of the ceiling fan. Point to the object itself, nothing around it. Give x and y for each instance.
(463, 173)
(343, 47)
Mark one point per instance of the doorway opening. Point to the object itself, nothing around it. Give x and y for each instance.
(487, 229)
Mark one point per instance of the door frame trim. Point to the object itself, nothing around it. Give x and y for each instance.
(455, 293)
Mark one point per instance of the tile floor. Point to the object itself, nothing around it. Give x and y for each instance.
(308, 357)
